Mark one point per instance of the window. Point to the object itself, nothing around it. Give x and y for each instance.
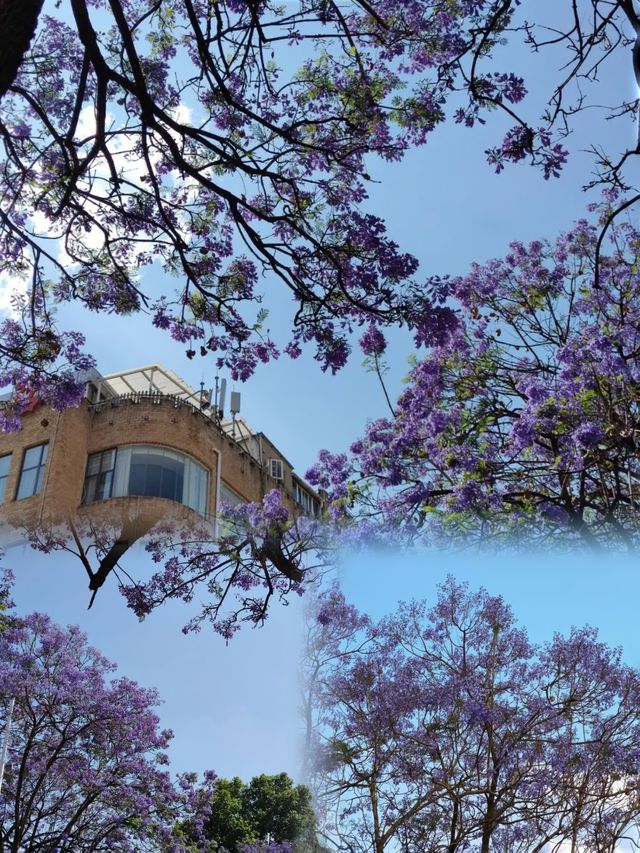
(276, 469)
(156, 472)
(229, 496)
(147, 471)
(305, 500)
(98, 481)
(227, 499)
(5, 464)
(31, 476)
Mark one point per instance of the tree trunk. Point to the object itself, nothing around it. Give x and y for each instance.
(453, 844)
(18, 21)
(487, 830)
(490, 817)
(378, 840)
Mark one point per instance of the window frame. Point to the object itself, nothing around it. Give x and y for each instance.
(100, 472)
(279, 465)
(4, 478)
(228, 491)
(196, 476)
(172, 475)
(305, 500)
(40, 468)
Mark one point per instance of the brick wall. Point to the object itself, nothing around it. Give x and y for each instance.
(76, 433)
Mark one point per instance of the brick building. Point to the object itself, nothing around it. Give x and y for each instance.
(144, 446)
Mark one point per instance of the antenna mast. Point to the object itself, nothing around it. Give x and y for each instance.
(235, 408)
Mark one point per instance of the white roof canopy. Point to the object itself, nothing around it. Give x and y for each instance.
(149, 380)
(155, 379)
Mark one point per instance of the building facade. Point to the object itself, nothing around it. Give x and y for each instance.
(143, 447)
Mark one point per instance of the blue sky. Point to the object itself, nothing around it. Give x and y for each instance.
(233, 708)
(548, 592)
(442, 203)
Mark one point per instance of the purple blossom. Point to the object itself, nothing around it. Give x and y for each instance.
(520, 421)
(373, 341)
(434, 705)
(268, 170)
(87, 756)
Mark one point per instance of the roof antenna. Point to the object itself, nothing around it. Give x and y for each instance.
(218, 398)
(223, 391)
(235, 408)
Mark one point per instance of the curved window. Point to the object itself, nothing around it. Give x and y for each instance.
(155, 472)
(147, 471)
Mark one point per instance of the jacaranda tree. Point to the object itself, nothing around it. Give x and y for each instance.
(86, 769)
(522, 421)
(217, 141)
(259, 552)
(445, 729)
(264, 552)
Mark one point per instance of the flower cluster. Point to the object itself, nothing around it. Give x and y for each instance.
(216, 172)
(523, 420)
(86, 767)
(424, 721)
(38, 362)
(258, 552)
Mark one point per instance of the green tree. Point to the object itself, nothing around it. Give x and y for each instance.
(228, 824)
(269, 808)
(280, 810)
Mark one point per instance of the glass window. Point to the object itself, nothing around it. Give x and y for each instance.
(226, 499)
(147, 471)
(156, 472)
(196, 486)
(5, 464)
(276, 469)
(308, 503)
(228, 496)
(32, 474)
(98, 481)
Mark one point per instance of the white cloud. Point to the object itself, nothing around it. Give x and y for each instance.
(9, 285)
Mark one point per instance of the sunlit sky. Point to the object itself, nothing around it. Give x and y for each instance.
(234, 708)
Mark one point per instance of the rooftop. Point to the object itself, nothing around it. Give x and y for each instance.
(155, 379)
